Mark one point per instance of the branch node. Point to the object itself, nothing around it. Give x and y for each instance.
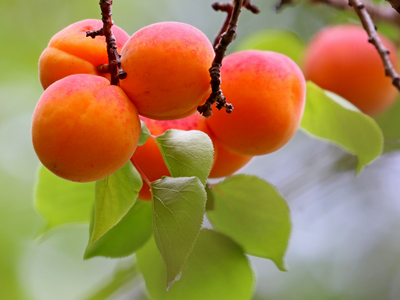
(226, 35)
(114, 62)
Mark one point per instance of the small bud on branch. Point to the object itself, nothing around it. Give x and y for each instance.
(114, 59)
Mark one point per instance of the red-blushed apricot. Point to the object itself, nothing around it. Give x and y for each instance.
(167, 65)
(267, 90)
(71, 52)
(340, 59)
(149, 158)
(84, 129)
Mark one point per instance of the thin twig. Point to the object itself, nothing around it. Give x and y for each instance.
(221, 43)
(374, 39)
(114, 59)
(144, 177)
(378, 12)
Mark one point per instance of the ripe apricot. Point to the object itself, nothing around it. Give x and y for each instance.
(84, 129)
(167, 65)
(340, 59)
(267, 90)
(71, 52)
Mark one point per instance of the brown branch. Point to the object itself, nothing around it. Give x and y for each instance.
(378, 12)
(114, 59)
(395, 4)
(374, 39)
(228, 8)
(221, 43)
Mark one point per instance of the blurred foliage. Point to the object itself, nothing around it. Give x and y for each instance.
(330, 117)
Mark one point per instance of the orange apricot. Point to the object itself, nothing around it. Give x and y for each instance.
(84, 129)
(340, 59)
(267, 90)
(71, 52)
(167, 65)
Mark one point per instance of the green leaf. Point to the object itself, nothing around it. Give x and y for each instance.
(62, 202)
(346, 127)
(217, 269)
(187, 153)
(277, 40)
(125, 238)
(389, 123)
(210, 198)
(179, 206)
(144, 134)
(115, 195)
(251, 212)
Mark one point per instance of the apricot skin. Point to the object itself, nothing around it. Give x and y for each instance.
(340, 59)
(84, 129)
(226, 162)
(71, 52)
(167, 65)
(267, 90)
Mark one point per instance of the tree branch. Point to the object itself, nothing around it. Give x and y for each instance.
(395, 4)
(221, 43)
(378, 12)
(374, 39)
(366, 13)
(114, 59)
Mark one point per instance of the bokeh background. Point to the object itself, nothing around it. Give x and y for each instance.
(346, 239)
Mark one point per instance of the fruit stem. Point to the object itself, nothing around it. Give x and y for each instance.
(114, 59)
(374, 39)
(144, 177)
(228, 8)
(221, 43)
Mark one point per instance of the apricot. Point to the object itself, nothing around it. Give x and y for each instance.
(226, 162)
(167, 65)
(267, 90)
(71, 52)
(340, 59)
(84, 129)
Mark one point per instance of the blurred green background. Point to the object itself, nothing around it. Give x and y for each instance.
(345, 243)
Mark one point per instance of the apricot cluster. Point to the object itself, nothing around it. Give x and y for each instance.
(84, 128)
(268, 105)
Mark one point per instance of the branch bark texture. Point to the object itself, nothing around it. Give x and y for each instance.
(221, 43)
(114, 59)
(378, 12)
(374, 39)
